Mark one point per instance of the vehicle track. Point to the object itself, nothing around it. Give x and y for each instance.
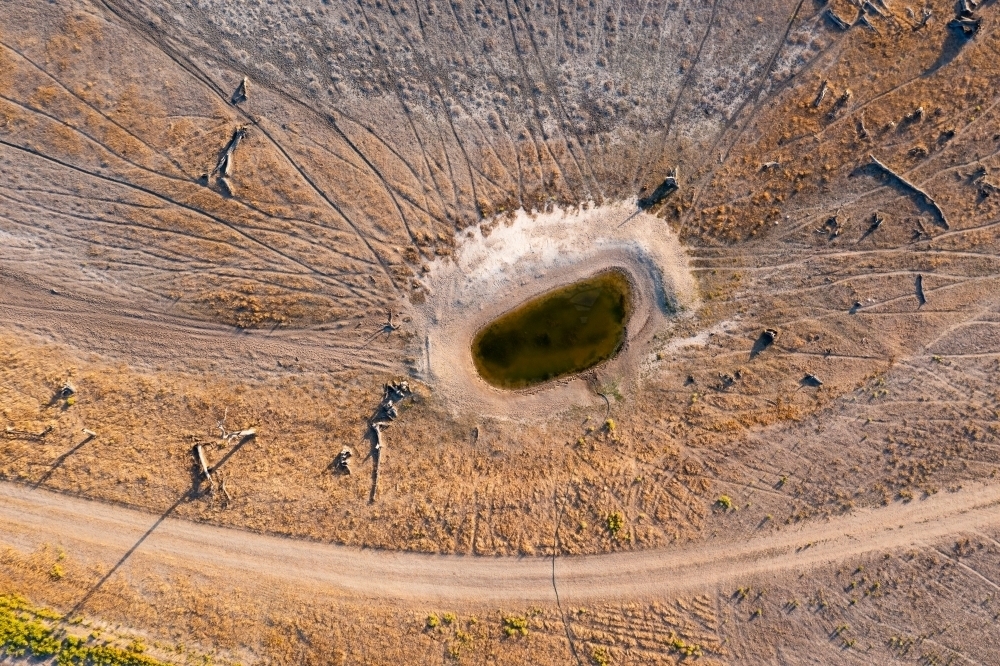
(144, 336)
(105, 532)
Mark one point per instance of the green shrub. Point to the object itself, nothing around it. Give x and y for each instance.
(515, 625)
(600, 657)
(615, 522)
(25, 632)
(724, 501)
(686, 649)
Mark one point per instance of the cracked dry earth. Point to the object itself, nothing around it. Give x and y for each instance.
(383, 138)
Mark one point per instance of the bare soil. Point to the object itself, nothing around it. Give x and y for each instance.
(444, 162)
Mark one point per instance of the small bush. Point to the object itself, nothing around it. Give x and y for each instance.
(600, 656)
(724, 501)
(515, 625)
(56, 572)
(432, 621)
(616, 521)
(24, 632)
(448, 618)
(686, 649)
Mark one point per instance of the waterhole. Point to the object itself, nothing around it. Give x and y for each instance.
(562, 332)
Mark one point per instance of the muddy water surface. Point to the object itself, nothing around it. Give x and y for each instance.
(558, 333)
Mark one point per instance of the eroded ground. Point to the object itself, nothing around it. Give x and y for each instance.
(381, 137)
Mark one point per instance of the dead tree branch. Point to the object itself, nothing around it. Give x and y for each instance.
(927, 199)
(199, 453)
(395, 392)
(225, 164)
(13, 433)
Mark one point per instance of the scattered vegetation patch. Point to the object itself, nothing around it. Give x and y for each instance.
(515, 625)
(22, 632)
(612, 389)
(249, 305)
(684, 648)
(600, 657)
(26, 632)
(615, 522)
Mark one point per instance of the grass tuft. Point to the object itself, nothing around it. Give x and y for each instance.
(615, 522)
(515, 625)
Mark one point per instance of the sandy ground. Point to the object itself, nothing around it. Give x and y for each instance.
(831, 591)
(391, 153)
(97, 531)
(501, 265)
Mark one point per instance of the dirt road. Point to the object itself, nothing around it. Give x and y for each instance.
(105, 533)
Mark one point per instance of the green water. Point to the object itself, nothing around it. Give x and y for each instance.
(559, 333)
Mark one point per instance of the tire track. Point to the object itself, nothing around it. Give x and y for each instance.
(101, 531)
(189, 67)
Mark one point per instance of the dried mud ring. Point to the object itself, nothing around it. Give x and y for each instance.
(496, 269)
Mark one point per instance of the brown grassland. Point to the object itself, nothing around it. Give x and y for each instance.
(383, 138)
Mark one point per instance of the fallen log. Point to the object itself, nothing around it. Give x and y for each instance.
(385, 413)
(199, 452)
(927, 199)
(821, 95)
(13, 433)
(836, 20)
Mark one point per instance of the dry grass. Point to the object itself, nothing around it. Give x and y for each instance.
(360, 171)
(147, 422)
(232, 623)
(923, 603)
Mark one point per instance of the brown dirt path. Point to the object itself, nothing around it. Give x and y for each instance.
(104, 533)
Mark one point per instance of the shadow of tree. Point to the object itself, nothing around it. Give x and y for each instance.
(196, 490)
(949, 50)
(60, 460)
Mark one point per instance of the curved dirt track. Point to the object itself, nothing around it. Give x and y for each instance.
(31, 516)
